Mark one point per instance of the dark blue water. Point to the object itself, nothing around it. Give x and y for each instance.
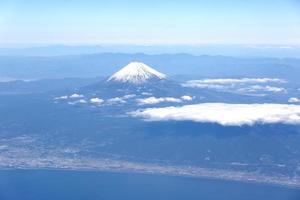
(72, 185)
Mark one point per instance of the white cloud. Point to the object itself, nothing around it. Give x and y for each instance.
(10, 79)
(249, 86)
(128, 96)
(122, 99)
(154, 100)
(75, 95)
(195, 84)
(96, 100)
(186, 98)
(82, 101)
(294, 100)
(286, 47)
(61, 97)
(225, 114)
(273, 89)
(146, 93)
(271, 47)
(259, 88)
(226, 81)
(116, 100)
(78, 101)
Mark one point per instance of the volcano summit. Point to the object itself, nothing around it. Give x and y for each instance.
(136, 73)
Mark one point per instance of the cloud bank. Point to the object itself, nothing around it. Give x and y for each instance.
(248, 86)
(206, 82)
(187, 98)
(76, 96)
(96, 100)
(225, 114)
(116, 100)
(259, 88)
(73, 96)
(146, 93)
(61, 97)
(77, 102)
(294, 100)
(128, 96)
(154, 100)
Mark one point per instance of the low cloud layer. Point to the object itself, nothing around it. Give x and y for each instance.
(294, 100)
(76, 96)
(128, 96)
(72, 96)
(206, 82)
(116, 100)
(146, 93)
(225, 114)
(187, 98)
(155, 100)
(249, 86)
(61, 97)
(96, 100)
(259, 88)
(81, 101)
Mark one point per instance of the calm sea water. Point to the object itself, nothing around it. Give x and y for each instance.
(73, 185)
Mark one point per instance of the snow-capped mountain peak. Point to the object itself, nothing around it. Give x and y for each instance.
(136, 73)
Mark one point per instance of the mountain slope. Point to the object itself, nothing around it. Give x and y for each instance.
(136, 73)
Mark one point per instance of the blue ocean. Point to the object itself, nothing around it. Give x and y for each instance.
(63, 185)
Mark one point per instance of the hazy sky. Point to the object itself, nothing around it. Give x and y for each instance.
(150, 22)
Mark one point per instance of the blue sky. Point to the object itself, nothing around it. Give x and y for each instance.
(150, 22)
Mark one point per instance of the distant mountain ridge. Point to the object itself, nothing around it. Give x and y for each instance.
(105, 64)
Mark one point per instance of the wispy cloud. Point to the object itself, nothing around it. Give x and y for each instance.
(75, 95)
(187, 98)
(154, 100)
(96, 100)
(259, 88)
(128, 96)
(248, 86)
(225, 114)
(294, 100)
(116, 100)
(72, 96)
(206, 82)
(82, 101)
(157, 100)
(146, 93)
(61, 97)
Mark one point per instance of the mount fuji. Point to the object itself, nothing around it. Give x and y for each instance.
(137, 78)
(136, 73)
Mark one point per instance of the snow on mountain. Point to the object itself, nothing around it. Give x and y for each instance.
(136, 73)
